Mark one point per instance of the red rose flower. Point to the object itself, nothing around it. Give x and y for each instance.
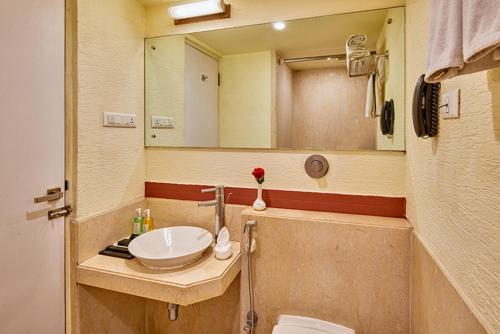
(258, 173)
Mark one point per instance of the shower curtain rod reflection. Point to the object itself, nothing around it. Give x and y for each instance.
(316, 58)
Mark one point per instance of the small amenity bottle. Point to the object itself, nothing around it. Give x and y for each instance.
(148, 221)
(138, 223)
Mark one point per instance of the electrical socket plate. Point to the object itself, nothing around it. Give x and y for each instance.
(162, 122)
(119, 120)
(451, 102)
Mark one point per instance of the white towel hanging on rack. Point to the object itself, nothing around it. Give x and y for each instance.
(464, 37)
(375, 88)
(370, 106)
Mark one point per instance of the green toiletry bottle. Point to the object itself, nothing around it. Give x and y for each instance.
(148, 221)
(138, 223)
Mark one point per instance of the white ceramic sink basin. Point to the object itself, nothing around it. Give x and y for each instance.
(170, 247)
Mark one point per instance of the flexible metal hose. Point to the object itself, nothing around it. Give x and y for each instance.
(250, 283)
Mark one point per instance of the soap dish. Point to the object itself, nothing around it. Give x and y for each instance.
(223, 253)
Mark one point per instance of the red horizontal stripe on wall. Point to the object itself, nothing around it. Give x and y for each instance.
(286, 199)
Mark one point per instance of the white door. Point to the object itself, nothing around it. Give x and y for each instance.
(31, 161)
(201, 100)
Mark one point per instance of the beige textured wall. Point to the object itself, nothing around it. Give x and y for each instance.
(246, 103)
(453, 180)
(110, 161)
(380, 173)
(392, 39)
(164, 69)
(351, 173)
(328, 111)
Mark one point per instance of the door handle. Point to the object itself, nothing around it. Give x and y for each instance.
(52, 195)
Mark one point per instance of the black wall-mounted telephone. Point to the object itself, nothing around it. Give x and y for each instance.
(387, 118)
(426, 108)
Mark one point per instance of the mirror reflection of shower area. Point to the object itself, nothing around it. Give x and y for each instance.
(319, 105)
(295, 87)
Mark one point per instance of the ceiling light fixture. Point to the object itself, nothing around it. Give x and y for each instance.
(280, 25)
(199, 11)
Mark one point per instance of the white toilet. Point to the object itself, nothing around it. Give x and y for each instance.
(289, 324)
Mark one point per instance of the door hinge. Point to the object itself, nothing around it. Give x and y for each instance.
(60, 212)
(218, 79)
(66, 185)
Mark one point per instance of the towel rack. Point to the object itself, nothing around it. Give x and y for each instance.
(364, 66)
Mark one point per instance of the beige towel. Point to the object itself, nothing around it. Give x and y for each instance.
(464, 37)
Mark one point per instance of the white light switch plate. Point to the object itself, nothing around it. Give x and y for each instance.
(451, 103)
(162, 122)
(119, 120)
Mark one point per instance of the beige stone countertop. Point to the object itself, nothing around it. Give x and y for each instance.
(338, 218)
(206, 278)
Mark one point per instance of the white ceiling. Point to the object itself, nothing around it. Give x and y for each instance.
(156, 2)
(305, 37)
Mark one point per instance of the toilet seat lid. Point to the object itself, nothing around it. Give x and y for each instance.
(296, 330)
(303, 325)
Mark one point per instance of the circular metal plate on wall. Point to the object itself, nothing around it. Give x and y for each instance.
(316, 166)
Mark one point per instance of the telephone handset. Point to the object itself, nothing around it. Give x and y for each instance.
(426, 108)
(387, 118)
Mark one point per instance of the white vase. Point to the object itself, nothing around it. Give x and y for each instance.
(259, 203)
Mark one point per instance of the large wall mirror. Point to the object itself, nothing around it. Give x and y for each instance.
(325, 83)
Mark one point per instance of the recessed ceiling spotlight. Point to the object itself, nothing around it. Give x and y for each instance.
(280, 25)
(328, 58)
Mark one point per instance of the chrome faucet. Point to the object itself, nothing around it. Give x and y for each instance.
(219, 204)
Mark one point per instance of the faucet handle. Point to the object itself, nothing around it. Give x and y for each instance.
(218, 188)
